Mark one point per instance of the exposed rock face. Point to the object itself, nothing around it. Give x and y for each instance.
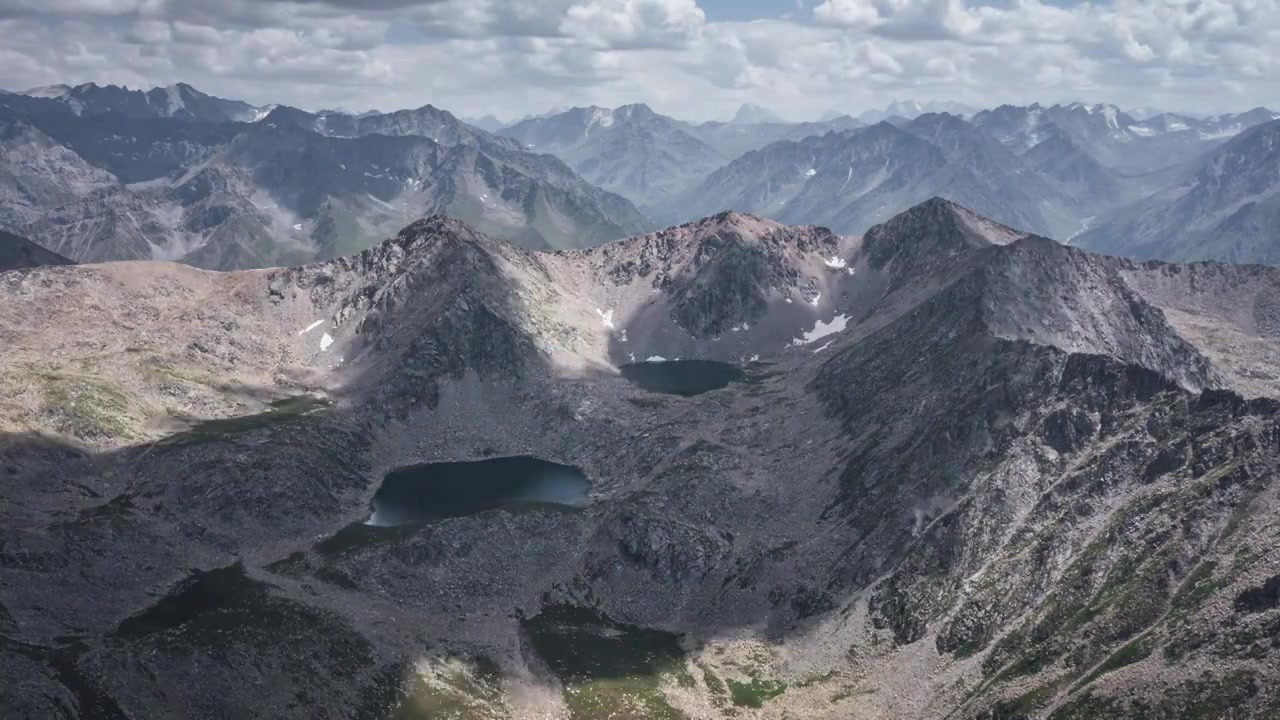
(973, 474)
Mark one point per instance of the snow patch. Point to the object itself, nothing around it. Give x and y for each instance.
(824, 347)
(298, 226)
(849, 270)
(755, 358)
(325, 342)
(816, 298)
(311, 327)
(810, 172)
(606, 316)
(823, 329)
(655, 358)
(835, 262)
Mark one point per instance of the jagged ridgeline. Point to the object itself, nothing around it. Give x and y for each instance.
(732, 469)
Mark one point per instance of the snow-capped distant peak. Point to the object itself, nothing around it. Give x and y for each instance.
(173, 99)
(602, 117)
(1110, 112)
(48, 91)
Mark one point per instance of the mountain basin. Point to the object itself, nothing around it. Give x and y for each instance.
(685, 378)
(436, 491)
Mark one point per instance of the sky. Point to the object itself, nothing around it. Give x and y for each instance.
(694, 59)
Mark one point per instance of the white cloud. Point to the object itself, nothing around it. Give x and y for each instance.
(511, 57)
(633, 23)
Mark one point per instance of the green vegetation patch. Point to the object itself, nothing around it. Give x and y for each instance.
(609, 670)
(1132, 652)
(756, 693)
(714, 684)
(86, 407)
(283, 410)
(454, 689)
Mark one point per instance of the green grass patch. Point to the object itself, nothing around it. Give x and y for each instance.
(714, 684)
(454, 690)
(282, 410)
(684, 678)
(1198, 587)
(1134, 651)
(621, 698)
(755, 693)
(87, 407)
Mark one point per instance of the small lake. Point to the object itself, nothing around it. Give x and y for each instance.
(685, 378)
(435, 491)
(581, 644)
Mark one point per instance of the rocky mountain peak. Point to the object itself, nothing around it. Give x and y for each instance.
(752, 114)
(931, 236)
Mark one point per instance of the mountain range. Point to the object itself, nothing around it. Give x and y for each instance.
(650, 158)
(954, 470)
(854, 179)
(290, 187)
(912, 109)
(108, 173)
(1227, 207)
(174, 101)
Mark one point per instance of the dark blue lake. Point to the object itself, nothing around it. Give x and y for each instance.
(435, 491)
(685, 378)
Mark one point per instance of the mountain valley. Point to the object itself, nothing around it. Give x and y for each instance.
(959, 471)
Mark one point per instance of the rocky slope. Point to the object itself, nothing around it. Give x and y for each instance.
(1226, 208)
(969, 473)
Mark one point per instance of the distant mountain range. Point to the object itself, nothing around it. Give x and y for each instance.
(853, 179)
(174, 101)
(1227, 208)
(94, 182)
(1151, 147)
(912, 109)
(651, 158)
(107, 173)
